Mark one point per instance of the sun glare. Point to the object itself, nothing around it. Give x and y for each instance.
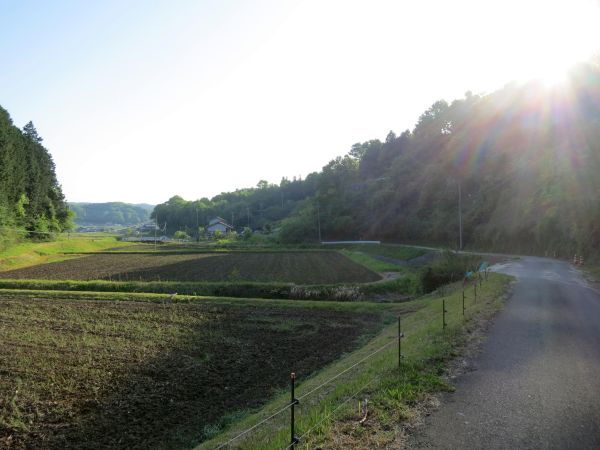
(550, 37)
(554, 74)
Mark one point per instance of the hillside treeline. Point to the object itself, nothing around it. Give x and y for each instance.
(259, 208)
(526, 158)
(110, 213)
(31, 200)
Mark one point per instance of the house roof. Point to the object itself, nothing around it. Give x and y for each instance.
(219, 221)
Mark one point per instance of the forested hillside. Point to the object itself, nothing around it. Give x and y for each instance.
(261, 207)
(111, 213)
(31, 200)
(526, 158)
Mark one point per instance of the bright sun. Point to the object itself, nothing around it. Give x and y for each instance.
(549, 37)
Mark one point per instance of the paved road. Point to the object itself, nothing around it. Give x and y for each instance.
(536, 384)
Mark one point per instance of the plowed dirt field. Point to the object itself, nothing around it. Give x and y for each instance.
(293, 267)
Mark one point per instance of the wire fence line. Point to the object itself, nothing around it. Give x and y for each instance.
(325, 383)
(333, 411)
(243, 433)
(312, 391)
(295, 440)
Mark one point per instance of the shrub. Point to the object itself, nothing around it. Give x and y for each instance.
(449, 268)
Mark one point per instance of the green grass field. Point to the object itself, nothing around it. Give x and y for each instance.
(395, 251)
(30, 253)
(367, 255)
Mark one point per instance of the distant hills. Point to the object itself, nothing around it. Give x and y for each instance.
(110, 213)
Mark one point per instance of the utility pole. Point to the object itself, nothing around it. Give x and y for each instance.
(248, 213)
(155, 227)
(319, 221)
(197, 226)
(460, 240)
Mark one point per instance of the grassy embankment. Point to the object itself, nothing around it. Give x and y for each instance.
(592, 270)
(367, 254)
(30, 253)
(393, 397)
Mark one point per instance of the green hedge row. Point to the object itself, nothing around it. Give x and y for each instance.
(406, 286)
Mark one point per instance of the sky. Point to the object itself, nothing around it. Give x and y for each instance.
(138, 101)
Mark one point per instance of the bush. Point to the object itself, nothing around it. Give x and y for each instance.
(182, 235)
(449, 268)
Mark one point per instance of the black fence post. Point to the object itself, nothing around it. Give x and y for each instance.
(400, 336)
(475, 290)
(444, 313)
(293, 439)
(463, 300)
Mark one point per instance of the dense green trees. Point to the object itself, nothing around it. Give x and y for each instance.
(111, 213)
(31, 199)
(527, 158)
(258, 208)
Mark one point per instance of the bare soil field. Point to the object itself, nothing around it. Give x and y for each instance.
(99, 374)
(294, 267)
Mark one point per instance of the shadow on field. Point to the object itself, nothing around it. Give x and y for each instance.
(234, 361)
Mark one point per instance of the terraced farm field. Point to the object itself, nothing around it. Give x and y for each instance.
(95, 371)
(294, 267)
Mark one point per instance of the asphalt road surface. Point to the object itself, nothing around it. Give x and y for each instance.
(536, 383)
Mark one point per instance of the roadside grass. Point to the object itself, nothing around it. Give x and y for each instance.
(32, 253)
(119, 370)
(329, 417)
(592, 270)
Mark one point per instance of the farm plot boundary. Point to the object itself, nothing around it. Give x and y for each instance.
(404, 288)
(98, 373)
(291, 267)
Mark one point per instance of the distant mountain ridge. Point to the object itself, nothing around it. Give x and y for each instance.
(110, 213)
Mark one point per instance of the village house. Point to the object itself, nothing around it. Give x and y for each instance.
(218, 224)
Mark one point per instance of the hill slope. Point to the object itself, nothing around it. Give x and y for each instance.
(525, 157)
(111, 213)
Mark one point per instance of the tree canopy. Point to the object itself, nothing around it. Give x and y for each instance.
(31, 199)
(111, 213)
